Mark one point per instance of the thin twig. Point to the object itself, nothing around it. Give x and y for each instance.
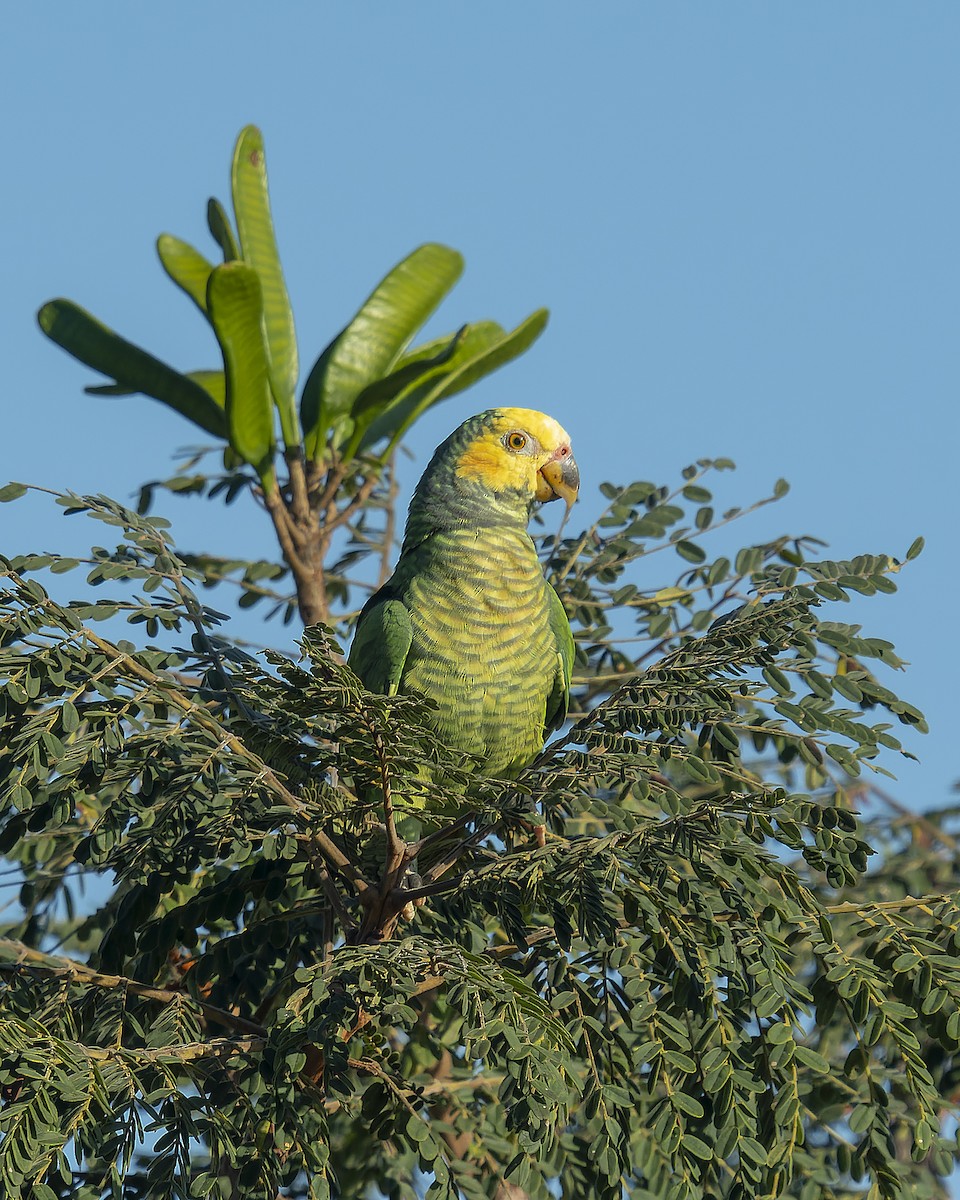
(468, 843)
(396, 846)
(55, 966)
(390, 520)
(865, 907)
(339, 517)
(182, 1052)
(440, 835)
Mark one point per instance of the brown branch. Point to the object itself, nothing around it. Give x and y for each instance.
(396, 847)
(338, 517)
(866, 906)
(473, 1083)
(441, 835)
(299, 499)
(183, 1051)
(468, 843)
(304, 547)
(335, 477)
(285, 530)
(56, 966)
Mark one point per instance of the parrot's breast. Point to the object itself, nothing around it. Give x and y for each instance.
(482, 647)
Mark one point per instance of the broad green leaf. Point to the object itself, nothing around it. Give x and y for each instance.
(186, 267)
(468, 342)
(370, 345)
(109, 389)
(374, 400)
(221, 230)
(411, 367)
(463, 374)
(258, 245)
(235, 303)
(211, 381)
(134, 370)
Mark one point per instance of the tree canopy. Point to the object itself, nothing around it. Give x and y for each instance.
(693, 950)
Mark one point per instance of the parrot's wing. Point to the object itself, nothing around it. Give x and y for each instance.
(559, 698)
(380, 644)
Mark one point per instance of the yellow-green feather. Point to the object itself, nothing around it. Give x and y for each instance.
(483, 647)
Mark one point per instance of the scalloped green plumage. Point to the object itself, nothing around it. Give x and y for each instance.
(96, 345)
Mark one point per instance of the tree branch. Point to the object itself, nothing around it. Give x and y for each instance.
(459, 850)
(56, 966)
(299, 499)
(440, 835)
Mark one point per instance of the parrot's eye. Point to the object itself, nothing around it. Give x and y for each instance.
(515, 441)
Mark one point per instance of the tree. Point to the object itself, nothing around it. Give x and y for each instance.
(693, 987)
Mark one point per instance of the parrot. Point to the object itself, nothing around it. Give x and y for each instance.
(467, 619)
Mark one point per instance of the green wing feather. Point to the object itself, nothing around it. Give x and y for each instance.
(381, 644)
(559, 699)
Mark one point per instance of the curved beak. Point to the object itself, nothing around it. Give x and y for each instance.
(559, 480)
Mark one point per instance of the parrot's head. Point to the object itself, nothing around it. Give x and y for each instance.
(516, 451)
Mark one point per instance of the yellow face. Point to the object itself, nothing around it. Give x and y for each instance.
(523, 450)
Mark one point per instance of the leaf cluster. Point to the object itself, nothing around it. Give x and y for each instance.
(365, 390)
(725, 968)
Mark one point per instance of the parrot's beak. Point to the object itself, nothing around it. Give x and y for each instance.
(559, 480)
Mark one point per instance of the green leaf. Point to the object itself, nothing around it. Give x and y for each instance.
(810, 1058)
(109, 389)
(697, 1147)
(376, 400)
(463, 370)
(12, 491)
(690, 551)
(222, 231)
(258, 243)
(187, 268)
(97, 346)
(370, 345)
(916, 547)
(213, 382)
(235, 303)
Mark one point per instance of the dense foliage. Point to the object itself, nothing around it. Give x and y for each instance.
(692, 951)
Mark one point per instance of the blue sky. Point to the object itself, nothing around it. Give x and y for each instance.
(742, 217)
